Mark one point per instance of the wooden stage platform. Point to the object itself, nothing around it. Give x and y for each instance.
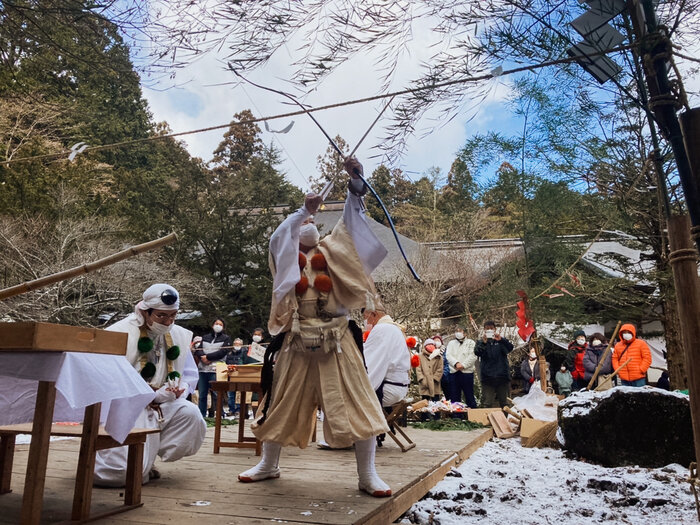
(317, 486)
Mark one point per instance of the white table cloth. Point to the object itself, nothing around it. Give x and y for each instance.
(81, 379)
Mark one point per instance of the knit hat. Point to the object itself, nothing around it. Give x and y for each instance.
(579, 333)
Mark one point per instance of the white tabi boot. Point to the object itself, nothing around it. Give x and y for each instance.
(370, 482)
(268, 466)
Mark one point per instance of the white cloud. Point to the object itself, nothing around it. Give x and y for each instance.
(199, 103)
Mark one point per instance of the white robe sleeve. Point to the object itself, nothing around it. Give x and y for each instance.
(190, 375)
(375, 357)
(284, 251)
(368, 246)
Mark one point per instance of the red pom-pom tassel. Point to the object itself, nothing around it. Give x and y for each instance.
(411, 342)
(365, 335)
(302, 261)
(302, 285)
(318, 262)
(323, 283)
(415, 361)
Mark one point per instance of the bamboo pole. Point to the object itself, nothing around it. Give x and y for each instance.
(85, 268)
(605, 355)
(612, 376)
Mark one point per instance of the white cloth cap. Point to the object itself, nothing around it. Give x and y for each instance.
(428, 341)
(153, 298)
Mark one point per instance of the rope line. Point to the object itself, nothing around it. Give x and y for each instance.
(464, 80)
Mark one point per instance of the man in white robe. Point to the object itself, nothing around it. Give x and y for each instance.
(159, 350)
(316, 282)
(387, 356)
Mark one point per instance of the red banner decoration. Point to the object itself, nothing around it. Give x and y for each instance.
(526, 326)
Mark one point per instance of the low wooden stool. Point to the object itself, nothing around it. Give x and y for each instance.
(86, 464)
(397, 411)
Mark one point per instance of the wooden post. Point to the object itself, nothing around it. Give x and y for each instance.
(38, 453)
(683, 259)
(86, 463)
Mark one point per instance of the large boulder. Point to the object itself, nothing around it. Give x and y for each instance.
(646, 426)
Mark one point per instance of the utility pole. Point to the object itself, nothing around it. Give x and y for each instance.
(656, 51)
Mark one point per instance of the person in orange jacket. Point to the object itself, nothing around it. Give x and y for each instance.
(629, 347)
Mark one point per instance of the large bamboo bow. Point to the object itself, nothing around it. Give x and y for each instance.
(338, 150)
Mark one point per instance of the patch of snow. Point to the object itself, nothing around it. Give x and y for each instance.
(581, 403)
(539, 404)
(503, 482)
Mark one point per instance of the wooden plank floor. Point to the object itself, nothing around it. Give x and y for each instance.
(316, 487)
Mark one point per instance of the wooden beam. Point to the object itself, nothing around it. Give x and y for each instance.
(404, 499)
(38, 453)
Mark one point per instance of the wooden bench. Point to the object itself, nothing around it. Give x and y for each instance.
(397, 411)
(86, 463)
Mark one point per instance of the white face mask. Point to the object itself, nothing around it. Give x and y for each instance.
(257, 338)
(580, 341)
(218, 328)
(308, 234)
(533, 355)
(159, 329)
(563, 369)
(489, 333)
(627, 336)
(438, 344)
(596, 342)
(236, 347)
(459, 335)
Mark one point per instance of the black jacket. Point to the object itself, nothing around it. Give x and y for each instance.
(494, 360)
(213, 337)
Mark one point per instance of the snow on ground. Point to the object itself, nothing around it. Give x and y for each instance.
(503, 482)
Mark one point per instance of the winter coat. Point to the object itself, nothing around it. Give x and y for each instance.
(564, 380)
(429, 374)
(526, 373)
(495, 369)
(591, 358)
(461, 353)
(574, 360)
(637, 350)
(236, 357)
(212, 337)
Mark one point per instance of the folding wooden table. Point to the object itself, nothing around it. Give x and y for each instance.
(23, 343)
(244, 379)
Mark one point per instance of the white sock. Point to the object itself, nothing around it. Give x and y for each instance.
(370, 481)
(268, 467)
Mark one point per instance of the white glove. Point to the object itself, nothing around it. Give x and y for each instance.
(163, 395)
(435, 353)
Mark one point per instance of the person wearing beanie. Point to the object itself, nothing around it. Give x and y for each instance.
(429, 372)
(574, 359)
(159, 350)
(597, 343)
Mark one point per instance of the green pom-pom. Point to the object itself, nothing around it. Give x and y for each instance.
(174, 374)
(148, 371)
(173, 353)
(145, 345)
